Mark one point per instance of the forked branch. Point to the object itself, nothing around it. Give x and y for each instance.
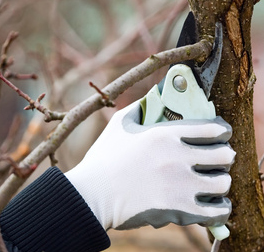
(49, 115)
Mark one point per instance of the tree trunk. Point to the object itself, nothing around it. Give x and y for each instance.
(232, 95)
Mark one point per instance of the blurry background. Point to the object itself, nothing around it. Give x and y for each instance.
(70, 43)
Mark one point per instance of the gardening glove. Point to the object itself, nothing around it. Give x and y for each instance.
(169, 172)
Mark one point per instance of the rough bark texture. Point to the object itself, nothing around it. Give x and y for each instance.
(232, 95)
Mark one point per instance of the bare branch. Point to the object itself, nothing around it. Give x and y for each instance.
(173, 17)
(76, 115)
(24, 147)
(18, 76)
(49, 115)
(147, 39)
(4, 59)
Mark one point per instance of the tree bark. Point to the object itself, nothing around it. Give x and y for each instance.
(232, 95)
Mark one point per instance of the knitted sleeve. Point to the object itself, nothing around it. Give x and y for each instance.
(50, 215)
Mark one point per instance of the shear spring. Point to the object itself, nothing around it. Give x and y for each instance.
(172, 116)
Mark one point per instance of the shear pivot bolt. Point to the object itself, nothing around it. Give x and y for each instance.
(179, 83)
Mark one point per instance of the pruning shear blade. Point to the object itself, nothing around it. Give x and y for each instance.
(190, 102)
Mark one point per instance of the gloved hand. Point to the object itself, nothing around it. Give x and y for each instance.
(169, 172)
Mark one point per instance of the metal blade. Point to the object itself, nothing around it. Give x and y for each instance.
(205, 74)
(188, 35)
(208, 71)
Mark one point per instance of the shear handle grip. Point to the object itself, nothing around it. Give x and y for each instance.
(220, 233)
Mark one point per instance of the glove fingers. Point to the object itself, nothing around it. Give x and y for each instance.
(206, 158)
(206, 132)
(217, 209)
(214, 185)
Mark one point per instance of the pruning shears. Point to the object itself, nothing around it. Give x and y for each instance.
(184, 92)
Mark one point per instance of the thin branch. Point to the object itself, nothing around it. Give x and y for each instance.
(49, 115)
(147, 39)
(105, 98)
(79, 113)
(107, 53)
(10, 38)
(173, 17)
(19, 172)
(4, 59)
(18, 76)
(110, 24)
(10, 160)
(53, 160)
(24, 147)
(3, 7)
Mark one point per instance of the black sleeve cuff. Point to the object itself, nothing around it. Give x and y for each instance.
(50, 215)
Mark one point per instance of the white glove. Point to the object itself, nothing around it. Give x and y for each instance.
(169, 172)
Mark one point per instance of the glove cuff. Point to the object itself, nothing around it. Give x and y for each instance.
(50, 215)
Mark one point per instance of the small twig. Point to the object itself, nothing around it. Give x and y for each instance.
(144, 31)
(20, 172)
(49, 115)
(53, 160)
(105, 98)
(3, 7)
(24, 172)
(10, 160)
(17, 76)
(25, 145)
(34, 104)
(10, 38)
(4, 59)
